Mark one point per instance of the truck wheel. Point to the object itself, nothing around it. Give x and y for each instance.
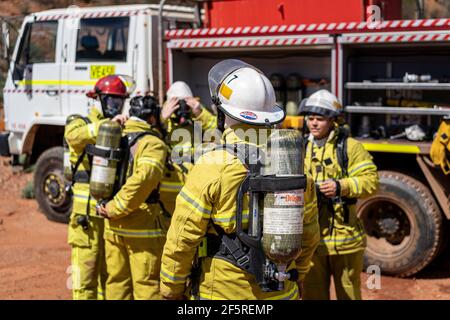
(49, 186)
(403, 224)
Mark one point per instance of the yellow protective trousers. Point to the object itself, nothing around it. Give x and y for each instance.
(133, 267)
(88, 259)
(345, 269)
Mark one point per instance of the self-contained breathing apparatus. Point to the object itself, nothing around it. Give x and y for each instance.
(113, 155)
(275, 182)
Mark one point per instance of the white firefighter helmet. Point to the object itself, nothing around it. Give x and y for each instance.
(180, 90)
(244, 93)
(322, 102)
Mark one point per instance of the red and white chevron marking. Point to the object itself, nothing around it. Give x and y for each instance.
(422, 37)
(250, 42)
(311, 28)
(63, 91)
(87, 15)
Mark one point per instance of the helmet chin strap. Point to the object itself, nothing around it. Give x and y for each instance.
(220, 120)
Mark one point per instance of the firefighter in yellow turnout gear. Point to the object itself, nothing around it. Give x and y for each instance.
(207, 202)
(174, 175)
(134, 231)
(85, 234)
(342, 174)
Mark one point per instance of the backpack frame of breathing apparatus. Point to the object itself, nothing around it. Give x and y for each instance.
(244, 248)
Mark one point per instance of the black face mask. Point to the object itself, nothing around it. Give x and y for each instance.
(183, 114)
(112, 105)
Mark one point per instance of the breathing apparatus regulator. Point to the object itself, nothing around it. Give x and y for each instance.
(275, 181)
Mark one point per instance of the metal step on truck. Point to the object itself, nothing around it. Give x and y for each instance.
(391, 75)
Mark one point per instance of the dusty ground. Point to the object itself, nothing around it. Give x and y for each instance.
(34, 256)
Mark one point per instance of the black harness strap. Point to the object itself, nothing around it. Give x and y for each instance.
(341, 148)
(268, 183)
(228, 247)
(115, 154)
(231, 247)
(342, 156)
(79, 160)
(132, 139)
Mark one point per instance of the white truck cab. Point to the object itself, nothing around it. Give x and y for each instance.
(59, 56)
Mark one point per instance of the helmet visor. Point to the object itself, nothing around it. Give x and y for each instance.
(129, 82)
(221, 70)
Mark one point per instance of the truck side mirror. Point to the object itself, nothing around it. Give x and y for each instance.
(5, 39)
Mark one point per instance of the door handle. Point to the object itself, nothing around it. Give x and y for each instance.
(83, 68)
(52, 92)
(64, 55)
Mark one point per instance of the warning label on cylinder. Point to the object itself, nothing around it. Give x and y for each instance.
(291, 198)
(99, 161)
(283, 221)
(103, 175)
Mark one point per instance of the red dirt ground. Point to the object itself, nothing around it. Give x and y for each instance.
(34, 255)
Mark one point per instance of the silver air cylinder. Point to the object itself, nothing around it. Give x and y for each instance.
(283, 211)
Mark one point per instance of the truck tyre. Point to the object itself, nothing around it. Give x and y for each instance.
(49, 186)
(403, 224)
